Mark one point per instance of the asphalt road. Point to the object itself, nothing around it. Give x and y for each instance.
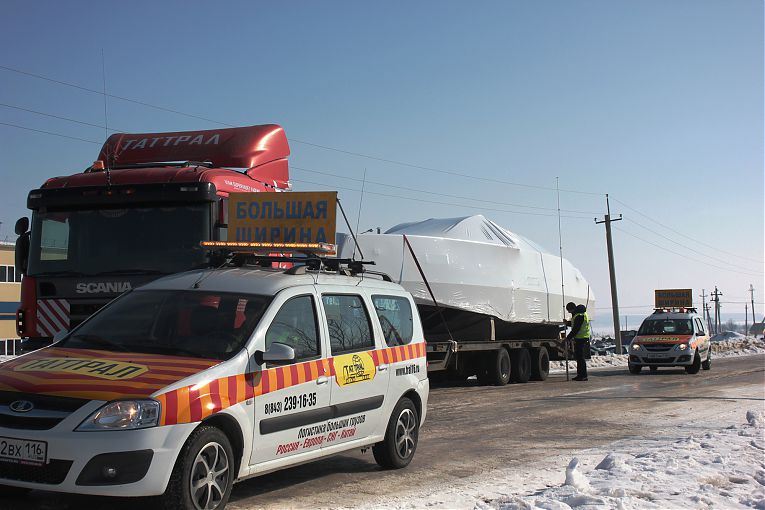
(474, 430)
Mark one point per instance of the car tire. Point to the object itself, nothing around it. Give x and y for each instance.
(707, 364)
(694, 369)
(8, 491)
(207, 450)
(397, 449)
(520, 366)
(634, 369)
(540, 364)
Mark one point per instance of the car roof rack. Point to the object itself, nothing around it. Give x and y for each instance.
(315, 257)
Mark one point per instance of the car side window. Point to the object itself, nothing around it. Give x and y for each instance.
(295, 325)
(395, 315)
(700, 327)
(348, 323)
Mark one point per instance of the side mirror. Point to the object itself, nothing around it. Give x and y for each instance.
(22, 225)
(277, 353)
(22, 252)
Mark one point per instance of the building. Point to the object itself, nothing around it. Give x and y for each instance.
(10, 296)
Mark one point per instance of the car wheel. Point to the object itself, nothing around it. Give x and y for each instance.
(635, 369)
(520, 366)
(400, 443)
(694, 369)
(707, 364)
(203, 474)
(540, 364)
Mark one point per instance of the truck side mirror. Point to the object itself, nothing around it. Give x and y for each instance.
(276, 353)
(22, 225)
(22, 252)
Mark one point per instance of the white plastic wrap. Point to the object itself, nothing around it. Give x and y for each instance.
(474, 264)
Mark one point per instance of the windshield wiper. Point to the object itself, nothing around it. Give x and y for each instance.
(129, 272)
(97, 340)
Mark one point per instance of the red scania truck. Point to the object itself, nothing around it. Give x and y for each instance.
(138, 213)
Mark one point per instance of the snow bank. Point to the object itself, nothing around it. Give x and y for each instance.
(724, 468)
(738, 345)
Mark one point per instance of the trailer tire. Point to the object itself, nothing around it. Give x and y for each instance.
(520, 365)
(540, 366)
(499, 368)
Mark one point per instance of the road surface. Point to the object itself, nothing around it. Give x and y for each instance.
(475, 430)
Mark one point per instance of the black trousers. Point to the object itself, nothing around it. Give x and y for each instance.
(580, 348)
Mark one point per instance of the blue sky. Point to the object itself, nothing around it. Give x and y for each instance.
(658, 103)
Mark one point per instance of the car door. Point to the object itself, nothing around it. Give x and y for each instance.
(359, 387)
(294, 401)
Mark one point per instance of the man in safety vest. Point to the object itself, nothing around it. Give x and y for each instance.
(580, 333)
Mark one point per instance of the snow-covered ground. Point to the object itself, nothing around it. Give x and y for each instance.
(737, 345)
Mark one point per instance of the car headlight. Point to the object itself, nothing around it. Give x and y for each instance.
(124, 415)
(682, 347)
(635, 347)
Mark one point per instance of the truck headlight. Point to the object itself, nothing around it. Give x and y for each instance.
(123, 415)
(635, 347)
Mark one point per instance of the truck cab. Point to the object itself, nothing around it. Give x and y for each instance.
(671, 338)
(135, 215)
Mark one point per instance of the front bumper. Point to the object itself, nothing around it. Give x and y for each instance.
(662, 359)
(146, 456)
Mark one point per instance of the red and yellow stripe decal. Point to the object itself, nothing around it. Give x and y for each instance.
(191, 404)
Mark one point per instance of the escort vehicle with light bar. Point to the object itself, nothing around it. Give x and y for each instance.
(135, 215)
(673, 336)
(197, 380)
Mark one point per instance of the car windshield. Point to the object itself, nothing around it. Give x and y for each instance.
(134, 239)
(211, 325)
(666, 327)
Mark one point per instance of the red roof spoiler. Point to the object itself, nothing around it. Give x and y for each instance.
(242, 147)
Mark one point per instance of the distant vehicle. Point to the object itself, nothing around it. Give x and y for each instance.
(198, 380)
(671, 338)
(136, 214)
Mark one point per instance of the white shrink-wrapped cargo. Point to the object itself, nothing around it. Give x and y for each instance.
(473, 264)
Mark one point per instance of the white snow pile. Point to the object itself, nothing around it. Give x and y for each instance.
(724, 468)
(727, 347)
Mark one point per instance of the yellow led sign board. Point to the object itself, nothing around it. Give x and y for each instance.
(673, 298)
(300, 217)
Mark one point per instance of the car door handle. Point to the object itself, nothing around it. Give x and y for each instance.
(382, 368)
(322, 379)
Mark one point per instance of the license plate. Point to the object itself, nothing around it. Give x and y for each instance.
(23, 451)
(656, 355)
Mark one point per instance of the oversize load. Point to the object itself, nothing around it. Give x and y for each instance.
(674, 298)
(282, 217)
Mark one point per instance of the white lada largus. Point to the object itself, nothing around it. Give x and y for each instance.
(198, 380)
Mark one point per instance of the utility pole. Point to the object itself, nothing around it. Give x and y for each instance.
(612, 273)
(708, 319)
(703, 297)
(746, 319)
(754, 317)
(716, 300)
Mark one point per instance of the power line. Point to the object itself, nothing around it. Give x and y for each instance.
(686, 236)
(48, 133)
(682, 255)
(295, 140)
(688, 247)
(461, 197)
(57, 117)
(418, 199)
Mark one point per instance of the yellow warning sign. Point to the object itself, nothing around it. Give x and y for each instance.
(100, 368)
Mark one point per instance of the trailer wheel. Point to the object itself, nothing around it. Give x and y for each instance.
(499, 368)
(520, 365)
(540, 364)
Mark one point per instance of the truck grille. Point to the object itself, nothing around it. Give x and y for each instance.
(79, 311)
(52, 473)
(47, 412)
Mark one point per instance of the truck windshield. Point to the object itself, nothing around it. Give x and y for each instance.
(102, 241)
(666, 327)
(210, 325)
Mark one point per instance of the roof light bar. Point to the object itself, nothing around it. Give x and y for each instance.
(257, 247)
